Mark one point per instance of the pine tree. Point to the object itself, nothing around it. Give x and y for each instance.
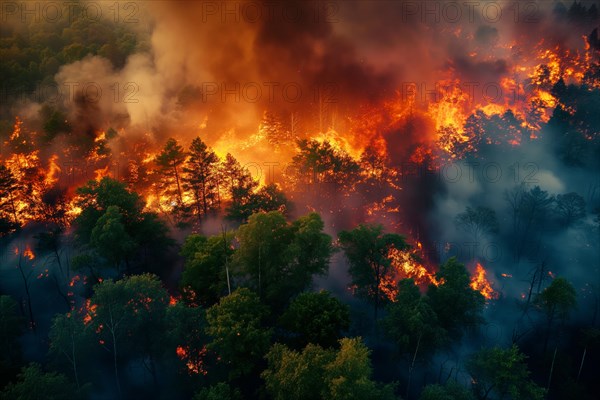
(201, 178)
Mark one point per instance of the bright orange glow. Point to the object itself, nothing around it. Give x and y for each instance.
(404, 266)
(480, 283)
(193, 362)
(53, 170)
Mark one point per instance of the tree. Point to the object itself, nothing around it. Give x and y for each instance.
(536, 204)
(367, 249)
(316, 318)
(293, 375)
(281, 258)
(412, 324)
(201, 177)
(240, 187)
(478, 221)
(556, 301)
(455, 303)
(449, 391)
(238, 335)
(186, 337)
(169, 162)
(329, 170)
(129, 316)
(349, 374)
(570, 207)
(128, 221)
(220, 391)
(273, 130)
(502, 373)
(204, 278)
(68, 338)
(11, 327)
(9, 220)
(317, 373)
(110, 238)
(35, 384)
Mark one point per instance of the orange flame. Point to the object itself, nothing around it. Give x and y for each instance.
(480, 283)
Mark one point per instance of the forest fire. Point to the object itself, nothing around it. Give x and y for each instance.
(199, 207)
(480, 283)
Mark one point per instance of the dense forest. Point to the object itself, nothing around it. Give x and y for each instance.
(366, 248)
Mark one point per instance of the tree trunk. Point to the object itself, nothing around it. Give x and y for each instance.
(412, 365)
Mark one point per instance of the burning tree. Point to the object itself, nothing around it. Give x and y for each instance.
(201, 177)
(367, 249)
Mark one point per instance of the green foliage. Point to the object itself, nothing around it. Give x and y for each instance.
(129, 315)
(502, 373)
(69, 340)
(204, 278)
(110, 238)
(317, 373)
(367, 248)
(33, 51)
(113, 224)
(281, 258)
(449, 391)
(349, 374)
(35, 384)
(11, 326)
(220, 391)
(297, 375)
(316, 318)
(411, 322)
(456, 304)
(558, 299)
(238, 335)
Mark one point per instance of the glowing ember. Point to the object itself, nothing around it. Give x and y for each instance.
(193, 362)
(480, 283)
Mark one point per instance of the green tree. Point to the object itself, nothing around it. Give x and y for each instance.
(204, 278)
(186, 335)
(317, 373)
(281, 258)
(316, 318)
(556, 301)
(110, 238)
(238, 334)
(502, 374)
(129, 317)
(349, 374)
(220, 391)
(169, 161)
(455, 303)
(449, 391)
(68, 340)
(367, 248)
(11, 327)
(293, 375)
(412, 324)
(35, 384)
(143, 229)
(201, 178)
